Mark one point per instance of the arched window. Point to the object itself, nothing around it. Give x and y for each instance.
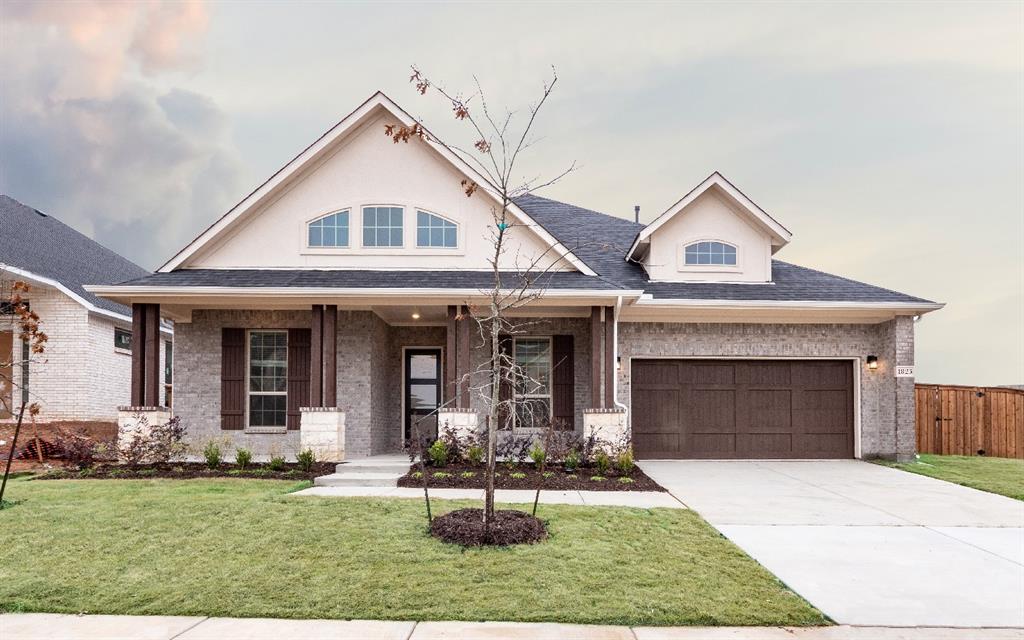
(329, 231)
(710, 252)
(435, 231)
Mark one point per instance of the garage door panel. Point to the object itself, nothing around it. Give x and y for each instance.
(742, 409)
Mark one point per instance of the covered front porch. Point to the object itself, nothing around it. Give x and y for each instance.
(348, 382)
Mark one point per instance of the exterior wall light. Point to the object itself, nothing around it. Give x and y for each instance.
(872, 362)
(618, 362)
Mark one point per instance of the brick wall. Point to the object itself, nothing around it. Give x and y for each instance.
(886, 406)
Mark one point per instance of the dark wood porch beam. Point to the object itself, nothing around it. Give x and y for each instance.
(609, 357)
(151, 360)
(316, 361)
(461, 373)
(138, 354)
(596, 348)
(450, 354)
(330, 343)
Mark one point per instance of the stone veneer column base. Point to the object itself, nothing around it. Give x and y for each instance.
(463, 422)
(322, 430)
(139, 421)
(605, 425)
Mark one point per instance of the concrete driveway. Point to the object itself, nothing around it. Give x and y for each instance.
(866, 544)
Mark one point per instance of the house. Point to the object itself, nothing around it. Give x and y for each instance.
(85, 371)
(331, 307)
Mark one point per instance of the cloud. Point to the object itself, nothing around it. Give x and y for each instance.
(88, 136)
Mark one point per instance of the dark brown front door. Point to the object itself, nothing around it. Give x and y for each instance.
(422, 389)
(742, 409)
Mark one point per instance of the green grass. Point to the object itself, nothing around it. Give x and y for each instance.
(1004, 476)
(244, 548)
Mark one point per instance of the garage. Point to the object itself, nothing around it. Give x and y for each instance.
(719, 409)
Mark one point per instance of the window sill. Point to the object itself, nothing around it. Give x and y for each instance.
(124, 352)
(266, 430)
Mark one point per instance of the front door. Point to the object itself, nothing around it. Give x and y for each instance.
(422, 391)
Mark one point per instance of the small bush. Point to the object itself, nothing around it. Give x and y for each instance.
(548, 474)
(306, 459)
(146, 472)
(624, 462)
(571, 476)
(276, 463)
(261, 473)
(475, 454)
(243, 458)
(416, 475)
(537, 455)
(235, 472)
(212, 454)
(626, 480)
(441, 475)
(438, 453)
(597, 478)
(78, 449)
(572, 460)
(518, 475)
(602, 462)
(467, 474)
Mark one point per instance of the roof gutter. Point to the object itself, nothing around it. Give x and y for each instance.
(669, 303)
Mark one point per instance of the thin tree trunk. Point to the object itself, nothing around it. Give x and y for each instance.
(423, 467)
(10, 454)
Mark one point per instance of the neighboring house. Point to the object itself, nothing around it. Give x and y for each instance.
(86, 368)
(331, 304)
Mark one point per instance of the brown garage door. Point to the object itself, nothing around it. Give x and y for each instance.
(742, 408)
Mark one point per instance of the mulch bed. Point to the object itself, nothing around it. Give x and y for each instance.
(188, 470)
(456, 477)
(466, 527)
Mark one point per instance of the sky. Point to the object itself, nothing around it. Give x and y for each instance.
(888, 137)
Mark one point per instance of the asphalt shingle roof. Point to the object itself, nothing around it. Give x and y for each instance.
(598, 239)
(35, 242)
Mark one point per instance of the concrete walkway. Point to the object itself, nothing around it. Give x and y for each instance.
(866, 544)
(49, 626)
(638, 499)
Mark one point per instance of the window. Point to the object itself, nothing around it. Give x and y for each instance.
(533, 383)
(382, 226)
(435, 231)
(168, 371)
(122, 339)
(710, 253)
(268, 378)
(329, 231)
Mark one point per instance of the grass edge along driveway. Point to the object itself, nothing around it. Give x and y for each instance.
(244, 548)
(1004, 476)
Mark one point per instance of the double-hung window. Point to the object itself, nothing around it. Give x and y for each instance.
(382, 226)
(533, 381)
(268, 378)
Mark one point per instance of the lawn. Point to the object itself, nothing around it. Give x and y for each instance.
(1004, 476)
(246, 548)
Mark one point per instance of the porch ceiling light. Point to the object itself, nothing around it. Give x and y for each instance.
(415, 315)
(872, 362)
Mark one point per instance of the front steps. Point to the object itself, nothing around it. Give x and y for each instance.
(374, 471)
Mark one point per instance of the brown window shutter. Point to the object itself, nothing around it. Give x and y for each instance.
(232, 378)
(298, 374)
(563, 397)
(505, 388)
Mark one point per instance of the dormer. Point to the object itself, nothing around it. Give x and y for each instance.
(715, 233)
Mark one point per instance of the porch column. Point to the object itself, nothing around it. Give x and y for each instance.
(609, 357)
(462, 379)
(330, 355)
(316, 362)
(138, 355)
(145, 387)
(450, 354)
(596, 348)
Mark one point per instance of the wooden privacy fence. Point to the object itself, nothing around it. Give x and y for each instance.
(970, 421)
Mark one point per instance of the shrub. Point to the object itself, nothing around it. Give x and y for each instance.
(518, 475)
(145, 472)
(441, 475)
(212, 454)
(514, 448)
(276, 463)
(537, 455)
(261, 473)
(158, 444)
(625, 480)
(548, 474)
(78, 449)
(438, 453)
(306, 459)
(467, 474)
(475, 454)
(416, 475)
(624, 462)
(571, 476)
(572, 460)
(602, 462)
(597, 478)
(243, 458)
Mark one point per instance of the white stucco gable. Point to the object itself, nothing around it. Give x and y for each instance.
(714, 216)
(358, 171)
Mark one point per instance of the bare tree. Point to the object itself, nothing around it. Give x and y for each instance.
(498, 144)
(24, 324)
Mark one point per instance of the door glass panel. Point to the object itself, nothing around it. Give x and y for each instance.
(423, 366)
(423, 396)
